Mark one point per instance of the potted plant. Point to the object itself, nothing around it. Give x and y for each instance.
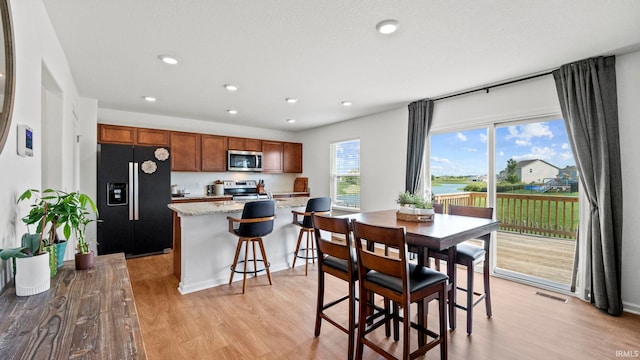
(71, 211)
(31, 264)
(414, 204)
(54, 201)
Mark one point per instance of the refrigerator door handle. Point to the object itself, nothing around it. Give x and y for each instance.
(136, 208)
(131, 187)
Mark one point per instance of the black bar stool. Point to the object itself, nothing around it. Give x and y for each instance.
(319, 206)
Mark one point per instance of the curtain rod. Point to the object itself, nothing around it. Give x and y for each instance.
(486, 88)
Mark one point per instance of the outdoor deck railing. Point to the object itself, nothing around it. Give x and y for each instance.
(553, 216)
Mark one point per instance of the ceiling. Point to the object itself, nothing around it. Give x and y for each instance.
(321, 52)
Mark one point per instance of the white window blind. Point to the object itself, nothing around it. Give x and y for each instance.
(345, 174)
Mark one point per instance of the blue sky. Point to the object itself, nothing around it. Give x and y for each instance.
(465, 152)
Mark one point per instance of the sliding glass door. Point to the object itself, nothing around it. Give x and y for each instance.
(532, 185)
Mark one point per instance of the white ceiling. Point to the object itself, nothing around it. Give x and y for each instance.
(321, 52)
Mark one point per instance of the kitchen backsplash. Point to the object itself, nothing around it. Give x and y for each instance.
(195, 183)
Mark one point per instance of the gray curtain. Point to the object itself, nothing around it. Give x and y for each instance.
(588, 98)
(420, 113)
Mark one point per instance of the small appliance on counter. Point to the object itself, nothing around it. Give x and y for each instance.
(215, 189)
(243, 190)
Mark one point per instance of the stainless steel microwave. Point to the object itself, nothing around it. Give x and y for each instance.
(244, 160)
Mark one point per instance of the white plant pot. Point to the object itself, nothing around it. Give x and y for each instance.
(406, 209)
(423, 211)
(409, 209)
(32, 275)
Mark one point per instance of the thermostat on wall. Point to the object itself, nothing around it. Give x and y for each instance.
(25, 140)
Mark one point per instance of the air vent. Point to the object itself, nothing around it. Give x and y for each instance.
(552, 297)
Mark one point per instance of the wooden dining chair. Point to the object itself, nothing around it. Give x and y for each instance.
(256, 222)
(468, 255)
(321, 206)
(403, 283)
(339, 260)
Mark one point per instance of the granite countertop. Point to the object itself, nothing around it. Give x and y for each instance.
(221, 207)
(200, 196)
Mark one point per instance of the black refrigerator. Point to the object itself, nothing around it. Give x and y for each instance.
(134, 189)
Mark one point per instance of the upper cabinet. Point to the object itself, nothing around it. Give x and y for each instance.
(205, 152)
(292, 158)
(185, 151)
(214, 153)
(114, 134)
(152, 137)
(272, 156)
(236, 143)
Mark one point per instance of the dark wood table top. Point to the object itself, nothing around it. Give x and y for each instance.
(443, 232)
(87, 314)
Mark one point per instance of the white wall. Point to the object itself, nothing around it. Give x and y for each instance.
(36, 46)
(628, 81)
(383, 156)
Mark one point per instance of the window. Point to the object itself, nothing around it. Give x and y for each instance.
(345, 174)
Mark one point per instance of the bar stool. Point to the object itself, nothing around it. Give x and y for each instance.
(256, 222)
(468, 255)
(320, 206)
(401, 282)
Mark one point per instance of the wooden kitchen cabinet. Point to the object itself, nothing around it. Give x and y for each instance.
(152, 137)
(214, 153)
(292, 157)
(114, 134)
(272, 156)
(245, 144)
(185, 151)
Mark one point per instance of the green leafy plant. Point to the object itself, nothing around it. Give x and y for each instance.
(71, 211)
(419, 202)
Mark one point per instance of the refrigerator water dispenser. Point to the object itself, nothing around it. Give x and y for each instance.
(116, 194)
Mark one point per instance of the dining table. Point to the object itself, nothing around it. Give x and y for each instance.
(443, 232)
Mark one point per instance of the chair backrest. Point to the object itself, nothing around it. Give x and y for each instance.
(370, 259)
(474, 211)
(254, 210)
(320, 204)
(438, 208)
(325, 246)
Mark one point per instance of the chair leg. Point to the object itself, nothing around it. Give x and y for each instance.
(406, 333)
(255, 261)
(306, 255)
(396, 321)
(487, 290)
(235, 260)
(295, 254)
(352, 319)
(244, 276)
(362, 319)
(470, 272)
(442, 309)
(320, 302)
(264, 260)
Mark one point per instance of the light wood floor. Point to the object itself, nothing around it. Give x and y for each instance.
(277, 322)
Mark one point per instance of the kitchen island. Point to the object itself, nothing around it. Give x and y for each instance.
(204, 249)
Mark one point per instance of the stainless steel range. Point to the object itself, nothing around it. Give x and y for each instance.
(243, 190)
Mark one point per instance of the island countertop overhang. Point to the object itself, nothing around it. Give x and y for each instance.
(221, 207)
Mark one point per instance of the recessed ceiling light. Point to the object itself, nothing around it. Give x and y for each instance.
(388, 26)
(291, 121)
(1, 74)
(230, 87)
(232, 111)
(347, 103)
(291, 100)
(168, 59)
(149, 98)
